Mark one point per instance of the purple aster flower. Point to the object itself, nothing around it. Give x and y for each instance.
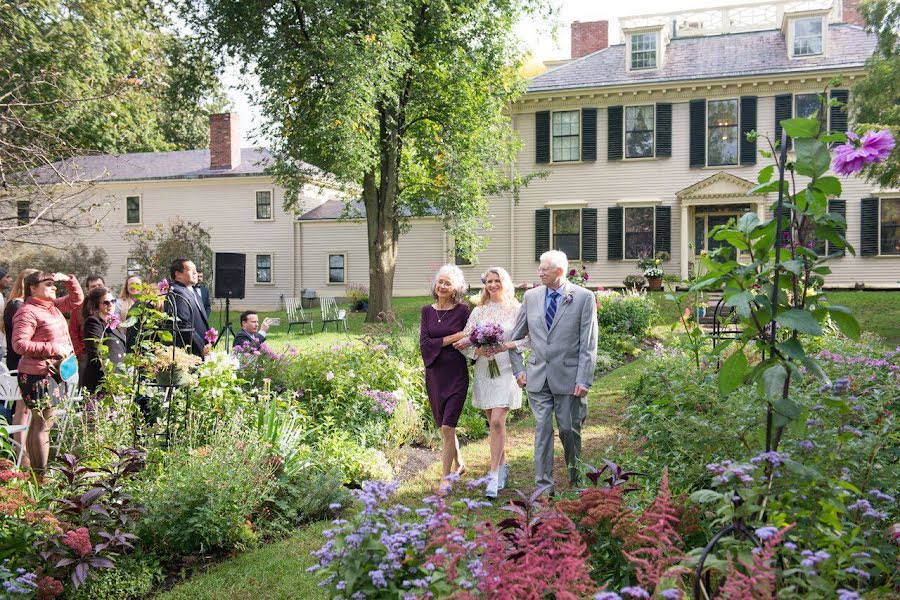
(607, 596)
(672, 594)
(790, 545)
(843, 594)
(879, 495)
(858, 572)
(813, 422)
(634, 592)
(764, 533)
(856, 154)
(773, 458)
(806, 445)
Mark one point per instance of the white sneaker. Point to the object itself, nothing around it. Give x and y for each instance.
(504, 476)
(491, 490)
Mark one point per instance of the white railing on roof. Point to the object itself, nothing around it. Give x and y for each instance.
(751, 16)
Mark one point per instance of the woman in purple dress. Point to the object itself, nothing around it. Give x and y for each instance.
(446, 369)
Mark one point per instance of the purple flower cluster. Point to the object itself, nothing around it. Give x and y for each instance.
(634, 591)
(486, 334)
(384, 401)
(849, 429)
(811, 559)
(773, 458)
(765, 533)
(843, 594)
(865, 507)
(879, 495)
(607, 596)
(856, 154)
(23, 584)
(728, 470)
(858, 572)
(876, 363)
(805, 445)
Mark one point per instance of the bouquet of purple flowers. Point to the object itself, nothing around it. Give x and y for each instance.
(487, 335)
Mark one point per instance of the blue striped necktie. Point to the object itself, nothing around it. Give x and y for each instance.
(551, 308)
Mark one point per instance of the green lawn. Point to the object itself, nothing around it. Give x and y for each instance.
(878, 312)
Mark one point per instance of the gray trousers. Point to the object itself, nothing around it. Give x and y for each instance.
(571, 412)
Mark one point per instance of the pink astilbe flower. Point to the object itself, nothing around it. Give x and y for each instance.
(758, 583)
(852, 157)
(78, 540)
(656, 547)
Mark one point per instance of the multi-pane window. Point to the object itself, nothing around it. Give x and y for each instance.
(23, 212)
(805, 105)
(643, 50)
(890, 226)
(132, 267)
(722, 132)
(566, 135)
(639, 131)
(133, 210)
(808, 40)
(639, 232)
(264, 205)
(263, 268)
(337, 264)
(566, 231)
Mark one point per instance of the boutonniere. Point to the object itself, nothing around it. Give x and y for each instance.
(567, 298)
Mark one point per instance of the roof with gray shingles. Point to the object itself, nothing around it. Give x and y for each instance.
(333, 210)
(710, 57)
(144, 166)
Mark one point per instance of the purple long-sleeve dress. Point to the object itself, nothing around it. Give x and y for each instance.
(446, 370)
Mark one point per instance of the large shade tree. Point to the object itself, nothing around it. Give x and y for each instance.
(403, 100)
(87, 77)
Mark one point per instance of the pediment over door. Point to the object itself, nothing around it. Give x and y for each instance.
(720, 188)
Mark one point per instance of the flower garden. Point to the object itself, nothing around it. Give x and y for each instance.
(763, 466)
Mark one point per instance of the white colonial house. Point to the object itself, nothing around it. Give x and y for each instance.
(642, 142)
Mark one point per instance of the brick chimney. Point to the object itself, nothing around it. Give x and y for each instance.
(590, 36)
(850, 12)
(224, 141)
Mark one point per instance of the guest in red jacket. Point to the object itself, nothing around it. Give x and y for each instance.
(40, 336)
(76, 326)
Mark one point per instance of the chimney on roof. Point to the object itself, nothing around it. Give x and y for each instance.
(224, 141)
(850, 13)
(589, 37)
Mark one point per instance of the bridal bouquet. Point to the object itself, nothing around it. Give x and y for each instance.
(487, 335)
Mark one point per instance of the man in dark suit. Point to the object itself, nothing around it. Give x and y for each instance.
(251, 334)
(183, 304)
(203, 294)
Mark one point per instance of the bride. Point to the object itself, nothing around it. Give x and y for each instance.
(497, 395)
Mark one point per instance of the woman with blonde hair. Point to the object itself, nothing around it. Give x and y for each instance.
(128, 297)
(497, 394)
(446, 371)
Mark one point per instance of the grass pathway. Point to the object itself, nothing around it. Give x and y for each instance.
(278, 571)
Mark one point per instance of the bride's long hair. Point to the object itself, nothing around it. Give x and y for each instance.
(509, 292)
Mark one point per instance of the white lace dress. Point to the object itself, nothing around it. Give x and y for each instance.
(502, 391)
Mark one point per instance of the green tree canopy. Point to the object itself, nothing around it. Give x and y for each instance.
(875, 100)
(402, 99)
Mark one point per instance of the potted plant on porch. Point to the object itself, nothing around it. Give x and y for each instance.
(652, 270)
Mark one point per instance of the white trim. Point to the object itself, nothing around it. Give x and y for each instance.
(271, 192)
(630, 33)
(140, 198)
(328, 268)
(566, 162)
(559, 204)
(625, 132)
(638, 202)
(271, 256)
(791, 20)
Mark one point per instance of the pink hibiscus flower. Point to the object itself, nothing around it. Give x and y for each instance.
(852, 157)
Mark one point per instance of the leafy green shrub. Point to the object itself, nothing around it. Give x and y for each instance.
(303, 497)
(203, 497)
(356, 463)
(133, 577)
(624, 321)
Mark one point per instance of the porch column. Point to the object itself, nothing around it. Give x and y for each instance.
(685, 239)
(761, 210)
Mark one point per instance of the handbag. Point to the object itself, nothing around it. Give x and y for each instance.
(64, 368)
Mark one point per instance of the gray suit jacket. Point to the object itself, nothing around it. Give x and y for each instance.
(566, 353)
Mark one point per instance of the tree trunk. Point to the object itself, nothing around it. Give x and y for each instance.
(380, 197)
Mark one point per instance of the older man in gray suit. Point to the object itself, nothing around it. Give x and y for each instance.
(561, 320)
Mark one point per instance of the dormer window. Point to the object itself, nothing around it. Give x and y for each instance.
(808, 36)
(644, 48)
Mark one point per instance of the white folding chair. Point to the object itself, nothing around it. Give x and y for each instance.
(69, 396)
(331, 313)
(9, 394)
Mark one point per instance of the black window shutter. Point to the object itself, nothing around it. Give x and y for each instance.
(663, 234)
(664, 130)
(542, 136)
(784, 109)
(698, 133)
(868, 227)
(614, 132)
(748, 124)
(589, 234)
(839, 207)
(839, 113)
(614, 230)
(541, 232)
(588, 134)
